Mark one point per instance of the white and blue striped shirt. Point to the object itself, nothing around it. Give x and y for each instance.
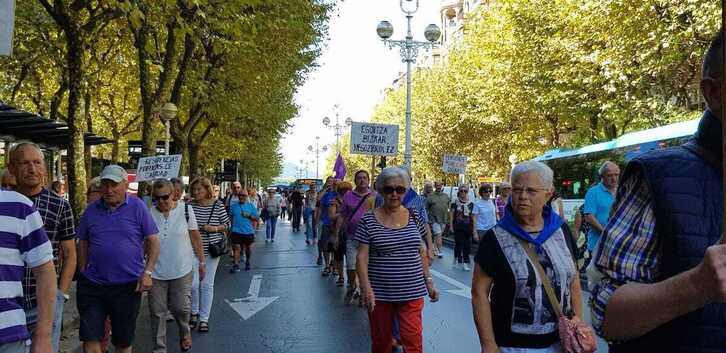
(23, 242)
(395, 270)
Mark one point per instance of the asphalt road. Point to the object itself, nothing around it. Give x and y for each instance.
(284, 305)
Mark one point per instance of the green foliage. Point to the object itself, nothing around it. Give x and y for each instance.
(532, 75)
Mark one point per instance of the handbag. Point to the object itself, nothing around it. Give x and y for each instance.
(219, 247)
(575, 335)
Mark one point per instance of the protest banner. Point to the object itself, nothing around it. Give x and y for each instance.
(165, 167)
(454, 164)
(374, 139)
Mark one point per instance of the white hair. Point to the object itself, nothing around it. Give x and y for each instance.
(604, 168)
(391, 173)
(20, 144)
(544, 172)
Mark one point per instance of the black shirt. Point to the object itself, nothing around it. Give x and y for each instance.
(491, 259)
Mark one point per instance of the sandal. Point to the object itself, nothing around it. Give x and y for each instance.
(185, 344)
(193, 321)
(203, 327)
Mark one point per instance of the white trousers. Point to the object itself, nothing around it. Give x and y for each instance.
(203, 293)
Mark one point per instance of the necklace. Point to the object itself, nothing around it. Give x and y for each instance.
(391, 217)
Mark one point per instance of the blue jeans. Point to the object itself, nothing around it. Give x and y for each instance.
(32, 319)
(308, 214)
(270, 225)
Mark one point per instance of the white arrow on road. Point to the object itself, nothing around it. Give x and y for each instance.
(248, 307)
(463, 291)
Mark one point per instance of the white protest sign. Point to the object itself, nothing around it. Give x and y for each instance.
(7, 20)
(374, 139)
(151, 168)
(454, 164)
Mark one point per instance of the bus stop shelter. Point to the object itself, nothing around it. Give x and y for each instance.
(52, 136)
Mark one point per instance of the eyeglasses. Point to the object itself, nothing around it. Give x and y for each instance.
(528, 190)
(463, 190)
(486, 190)
(161, 197)
(400, 190)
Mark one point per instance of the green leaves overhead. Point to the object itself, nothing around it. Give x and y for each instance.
(532, 75)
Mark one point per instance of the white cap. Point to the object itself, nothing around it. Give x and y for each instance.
(114, 173)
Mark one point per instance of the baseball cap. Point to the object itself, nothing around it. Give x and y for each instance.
(114, 173)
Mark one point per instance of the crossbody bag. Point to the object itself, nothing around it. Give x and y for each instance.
(575, 335)
(219, 247)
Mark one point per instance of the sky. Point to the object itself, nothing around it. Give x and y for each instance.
(354, 69)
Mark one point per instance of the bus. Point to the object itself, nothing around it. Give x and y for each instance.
(305, 184)
(576, 168)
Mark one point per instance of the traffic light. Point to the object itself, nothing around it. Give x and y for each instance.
(382, 163)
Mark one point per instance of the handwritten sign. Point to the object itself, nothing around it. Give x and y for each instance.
(165, 167)
(454, 164)
(7, 20)
(374, 139)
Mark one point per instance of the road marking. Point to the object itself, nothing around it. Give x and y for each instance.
(251, 305)
(463, 291)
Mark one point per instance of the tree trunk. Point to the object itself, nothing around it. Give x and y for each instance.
(76, 171)
(87, 156)
(148, 137)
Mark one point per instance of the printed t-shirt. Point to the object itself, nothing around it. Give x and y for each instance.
(116, 240)
(243, 225)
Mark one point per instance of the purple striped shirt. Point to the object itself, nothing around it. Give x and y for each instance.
(23, 242)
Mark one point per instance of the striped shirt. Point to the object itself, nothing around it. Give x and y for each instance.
(57, 218)
(395, 270)
(629, 250)
(23, 243)
(214, 215)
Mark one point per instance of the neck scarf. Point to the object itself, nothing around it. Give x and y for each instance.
(552, 222)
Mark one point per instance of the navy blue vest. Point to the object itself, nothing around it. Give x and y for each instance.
(687, 193)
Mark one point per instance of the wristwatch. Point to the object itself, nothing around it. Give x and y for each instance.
(429, 279)
(66, 297)
(148, 272)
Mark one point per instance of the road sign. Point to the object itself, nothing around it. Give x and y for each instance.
(7, 23)
(454, 164)
(151, 168)
(253, 303)
(374, 139)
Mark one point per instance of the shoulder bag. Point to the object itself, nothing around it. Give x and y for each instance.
(575, 335)
(219, 247)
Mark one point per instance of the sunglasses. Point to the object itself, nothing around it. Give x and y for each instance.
(486, 190)
(400, 190)
(161, 197)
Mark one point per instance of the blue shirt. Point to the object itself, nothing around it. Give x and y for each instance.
(242, 225)
(598, 202)
(325, 202)
(116, 240)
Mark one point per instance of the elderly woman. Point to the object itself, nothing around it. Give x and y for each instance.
(511, 309)
(213, 221)
(463, 222)
(505, 190)
(181, 246)
(273, 205)
(394, 276)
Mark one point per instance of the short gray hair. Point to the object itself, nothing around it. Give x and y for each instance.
(391, 173)
(544, 172)
(604, 167)
(161, 184)
(20, 144)
(94, 185)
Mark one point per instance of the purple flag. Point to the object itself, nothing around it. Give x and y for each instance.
(339, 167)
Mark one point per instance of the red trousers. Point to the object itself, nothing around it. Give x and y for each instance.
(409, 317)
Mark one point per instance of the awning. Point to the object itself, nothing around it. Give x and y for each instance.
(22, 125)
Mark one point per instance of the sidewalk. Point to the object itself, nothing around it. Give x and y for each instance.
(69, 335)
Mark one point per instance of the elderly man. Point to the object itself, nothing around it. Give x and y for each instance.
(23, 243)
(598, 202)
(233, 197)
(28, 166)
(662, 254)
(437, 207)
(117, 233)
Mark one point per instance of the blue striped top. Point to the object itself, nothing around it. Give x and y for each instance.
(395, 270)
(23, 242)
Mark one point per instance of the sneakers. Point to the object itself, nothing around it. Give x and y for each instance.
(320, 261)
(307, 242)
(458, 266)
(247, 267)
(465, 267)
(234, 269)
(440, 256)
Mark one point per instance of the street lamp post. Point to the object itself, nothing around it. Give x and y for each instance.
(317, 149)
(167, 114)
(337, 128)
(409, 52)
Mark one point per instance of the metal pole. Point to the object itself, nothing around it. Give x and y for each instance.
(409, 62)
(166, 143)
